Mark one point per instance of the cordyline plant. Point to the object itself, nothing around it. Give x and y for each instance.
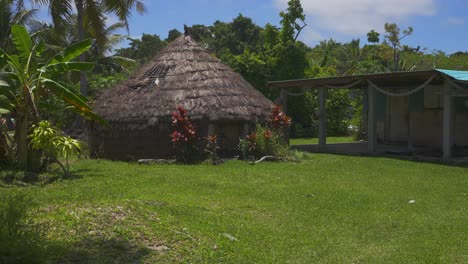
(270, 139)
(184, 135)
(278, 120)
(212, 149)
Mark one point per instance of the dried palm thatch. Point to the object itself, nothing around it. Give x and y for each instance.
(183, 74)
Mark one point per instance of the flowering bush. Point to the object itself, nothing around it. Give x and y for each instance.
(268, 140)
(262, 142)
(184, 135)
(184, 130)
(278, 120)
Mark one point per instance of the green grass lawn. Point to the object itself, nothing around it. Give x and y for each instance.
(305, 141)
(324, 209)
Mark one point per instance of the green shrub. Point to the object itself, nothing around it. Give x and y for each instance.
(20, 241)
(263, 142)
(47, 138)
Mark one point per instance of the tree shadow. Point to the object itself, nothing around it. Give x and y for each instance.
(17, 178)
(99, 250)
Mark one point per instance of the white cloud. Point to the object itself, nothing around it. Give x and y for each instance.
(455, 20)
(357, 17)
(310, 36)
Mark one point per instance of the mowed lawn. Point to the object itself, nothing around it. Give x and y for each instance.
(324, 209)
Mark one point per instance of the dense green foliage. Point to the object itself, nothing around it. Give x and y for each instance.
(325, 209)
(29, 79)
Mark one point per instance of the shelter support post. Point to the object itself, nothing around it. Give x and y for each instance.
(284, 100)
(448, 116)
(322, 119)
(211, 130)
(371, 135)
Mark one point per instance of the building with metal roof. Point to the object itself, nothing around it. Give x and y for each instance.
(422, 111)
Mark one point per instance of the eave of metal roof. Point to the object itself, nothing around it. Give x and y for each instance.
(457, 75)
(342, 80)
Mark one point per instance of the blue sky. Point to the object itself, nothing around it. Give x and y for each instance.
(438, 24)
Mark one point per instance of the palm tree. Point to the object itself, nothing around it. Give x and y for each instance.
(93, 12)
(99, 53)
(351, 56)
(13, 12)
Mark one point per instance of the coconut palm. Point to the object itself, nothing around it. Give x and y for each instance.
(12, 12)
(351, 55)
(103, 43)
(94, 13)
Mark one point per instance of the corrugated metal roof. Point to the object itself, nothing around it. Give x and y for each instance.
(390, 78)
(457, 75)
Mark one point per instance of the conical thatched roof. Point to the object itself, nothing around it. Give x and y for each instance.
(183, 74)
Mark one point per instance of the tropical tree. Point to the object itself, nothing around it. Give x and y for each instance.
(142, 49)
(350, 57)
(173, 34)
(13, 12)
(373, 37)
(393, 36)
(292, 21)
(94, 13)
(29, 79)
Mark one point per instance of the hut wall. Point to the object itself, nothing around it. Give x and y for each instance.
(127, 143)
(228, 134)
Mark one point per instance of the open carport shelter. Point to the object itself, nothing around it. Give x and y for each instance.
(417, 110)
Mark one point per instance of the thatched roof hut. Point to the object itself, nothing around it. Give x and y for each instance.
(183, 74)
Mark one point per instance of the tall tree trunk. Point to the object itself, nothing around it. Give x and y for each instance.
(28, 158)
(83, 79)
(21, 138)
(80, 21)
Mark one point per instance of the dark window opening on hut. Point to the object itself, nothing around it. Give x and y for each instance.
(155, 75)
(157, 72)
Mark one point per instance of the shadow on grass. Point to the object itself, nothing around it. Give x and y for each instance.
(99, 250)
(9, 178)
(462, 163)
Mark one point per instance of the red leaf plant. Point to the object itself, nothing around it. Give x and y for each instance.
(267, 134)
(252, 140)
(278, 120)
(184, 130)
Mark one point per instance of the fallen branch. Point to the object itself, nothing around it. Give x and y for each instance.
(265, 158)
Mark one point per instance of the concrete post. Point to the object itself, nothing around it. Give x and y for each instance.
(284, 100)
(322, 119)
(371, 135)
(448, 116)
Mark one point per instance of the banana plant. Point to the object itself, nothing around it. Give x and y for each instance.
(27, 78)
